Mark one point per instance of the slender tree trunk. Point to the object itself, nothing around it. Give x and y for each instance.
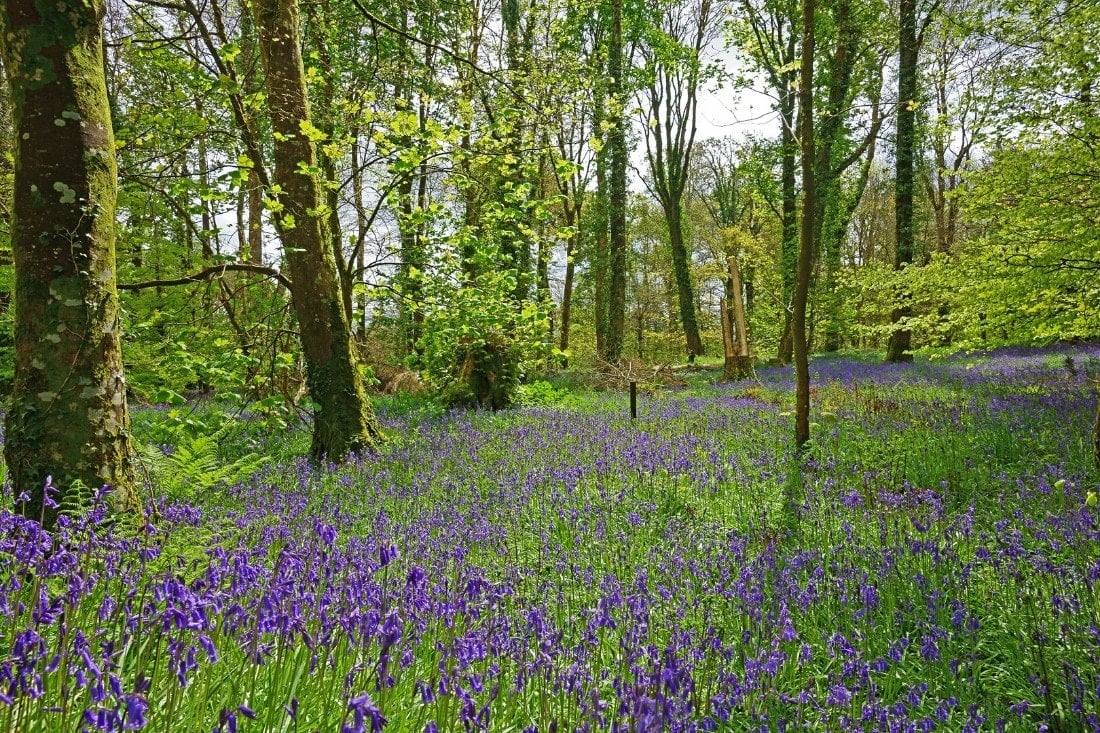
(600, 261)
(681, 268)
(741, 368)
(600, 254)
(789, 247)
(344, 421)
(898, 348)
(835, 240)
(730, 365)
(408, 284)
(251, 85)
(68, 417)
(361, 229)
(515, 244)
(542, 264)
(806, 235)
(617, 159)
(571, 214)
(411, 260)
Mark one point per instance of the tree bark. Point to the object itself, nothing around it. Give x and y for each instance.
(68, 416)
(727, 336)
(681, 268)
(617, 160)
(900, 339)
(599, 260)
(344, 421)
(520, 137)
(789, 248)
(741, 367)
(806, 234)
(572, 212)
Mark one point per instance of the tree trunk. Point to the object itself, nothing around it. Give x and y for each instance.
(741, 368)
(898, 349)
(806, 234)
(362, 226)
(251, 85)
(344, 421)
(617, 159)
(520, 137)
(567, 286)
(789, 248)
(542, 263)
(1096, 438)
(837, 236)
(681, 267)
(68, 417)
(600, 250)
(727, 334)
(411, 260)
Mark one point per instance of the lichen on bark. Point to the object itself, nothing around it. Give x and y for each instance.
(68, 417)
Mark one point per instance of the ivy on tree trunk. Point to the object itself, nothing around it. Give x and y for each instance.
(898, 349)
(617, 159)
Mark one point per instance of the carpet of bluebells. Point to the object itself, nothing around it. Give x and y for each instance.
(568, 569)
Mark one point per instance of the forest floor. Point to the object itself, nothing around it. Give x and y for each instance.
(564, 567)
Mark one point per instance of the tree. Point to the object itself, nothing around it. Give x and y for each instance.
(68, 416)
(573, 167)
(909, 42)
(675, 68)
(731, 207)
(850, 83)
(964, 72)
(806, 232)
(852, 70)
(616, 199)
(769, 34)
(344, 421)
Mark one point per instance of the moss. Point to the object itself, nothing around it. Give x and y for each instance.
(66, 309)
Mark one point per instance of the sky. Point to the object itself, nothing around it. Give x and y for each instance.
(726, 112)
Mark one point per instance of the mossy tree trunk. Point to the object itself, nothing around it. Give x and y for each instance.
(908, 48)
(669, 103)
(68, 417)
(617, 200)
(681, 270)
(344, 422)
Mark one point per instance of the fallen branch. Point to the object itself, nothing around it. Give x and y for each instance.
(648, 377)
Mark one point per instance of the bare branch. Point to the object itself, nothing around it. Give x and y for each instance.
(210, 273)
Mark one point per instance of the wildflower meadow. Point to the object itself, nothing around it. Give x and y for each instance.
(566, 568)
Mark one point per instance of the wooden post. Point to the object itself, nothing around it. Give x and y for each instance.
(633, 400)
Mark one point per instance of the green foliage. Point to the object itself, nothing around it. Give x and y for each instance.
(194, 466)
(77, 499)
(476, 329)
(540, 393)
(7, 350)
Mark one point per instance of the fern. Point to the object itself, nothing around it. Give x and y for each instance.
(77, 500)
(195, 468)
